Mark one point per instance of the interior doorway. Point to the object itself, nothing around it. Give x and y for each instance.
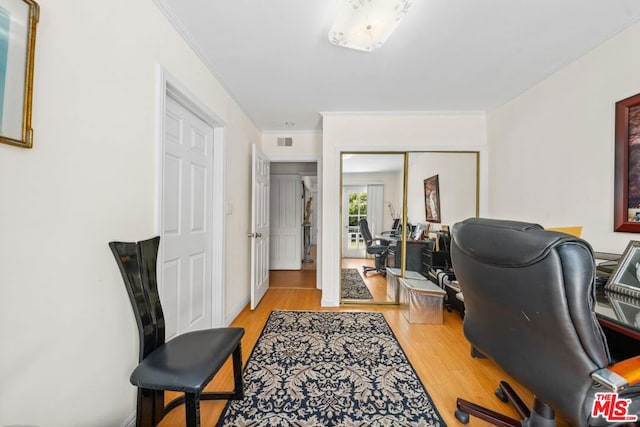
(190, 184)
(295, 207)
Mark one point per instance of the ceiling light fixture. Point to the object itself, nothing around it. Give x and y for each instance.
(366, 24)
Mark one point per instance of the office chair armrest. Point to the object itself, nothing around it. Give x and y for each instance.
(628, 369)
(620, 375)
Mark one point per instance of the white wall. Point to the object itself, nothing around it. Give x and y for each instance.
(306, 145)
(552, 148)
(457, 181)
(67, 332)
(384, 132)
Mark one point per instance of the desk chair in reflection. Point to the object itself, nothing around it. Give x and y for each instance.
(529, 299)
(379, 248)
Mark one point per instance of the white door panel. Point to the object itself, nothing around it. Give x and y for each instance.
(286, 223)
(186, 246)
(171, 210)
(169, 292)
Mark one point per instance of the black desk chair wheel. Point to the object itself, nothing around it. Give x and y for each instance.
(184, 364)
(528, 297)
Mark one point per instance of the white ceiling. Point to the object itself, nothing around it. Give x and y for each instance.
(447, 55)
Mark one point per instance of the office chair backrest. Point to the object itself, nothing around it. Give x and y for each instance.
(366, 233)
(137, 263)
(528, 297)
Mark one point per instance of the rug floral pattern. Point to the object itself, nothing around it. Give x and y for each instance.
(353, 286)
(330, 369)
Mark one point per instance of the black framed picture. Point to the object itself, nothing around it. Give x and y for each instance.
(626, 277)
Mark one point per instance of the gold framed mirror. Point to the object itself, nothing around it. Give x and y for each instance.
(18, 20)
(393, 184)
(371, 214)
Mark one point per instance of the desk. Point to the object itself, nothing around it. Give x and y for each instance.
(618, 312)
(388, 235)
(414, 251)
(619, 315)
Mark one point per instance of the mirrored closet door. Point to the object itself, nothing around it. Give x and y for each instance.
(372, 197)
(379, 243)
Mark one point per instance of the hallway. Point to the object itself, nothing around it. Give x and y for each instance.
(296, 279)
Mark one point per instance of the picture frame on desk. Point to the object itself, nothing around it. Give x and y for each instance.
(627, 165)
(626, 309)
(420, 231)
(625, 279)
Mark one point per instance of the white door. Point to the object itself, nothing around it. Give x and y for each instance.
(259, 226)
(286, 223)
(354, 208)
(186, 285)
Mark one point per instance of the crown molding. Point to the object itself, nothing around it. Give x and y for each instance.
(459, 113)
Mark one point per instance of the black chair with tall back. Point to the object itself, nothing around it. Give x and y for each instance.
(377, 247)
(186, 363)
(529, 298)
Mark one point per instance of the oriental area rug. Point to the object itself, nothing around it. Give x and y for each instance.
(330, 369)
(353, 286)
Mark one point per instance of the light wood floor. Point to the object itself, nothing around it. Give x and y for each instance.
(439, 354)
(304, 278)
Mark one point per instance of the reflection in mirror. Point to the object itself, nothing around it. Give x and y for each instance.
(372, 195)
(441, 189)
(456, 178)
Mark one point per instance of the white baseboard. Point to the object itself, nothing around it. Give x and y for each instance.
(130, 421)
(329, 303)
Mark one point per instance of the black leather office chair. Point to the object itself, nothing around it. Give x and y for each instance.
(184, 364)
(528, 295)
(379, 248)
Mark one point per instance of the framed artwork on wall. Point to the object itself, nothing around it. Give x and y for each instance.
(627, 165)
(18, 19)
(432, 199)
